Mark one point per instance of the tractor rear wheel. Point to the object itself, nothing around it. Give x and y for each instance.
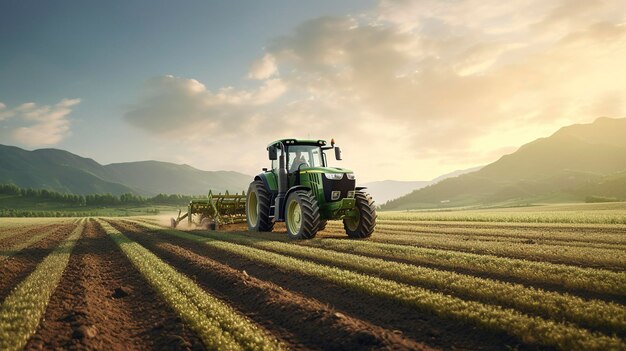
(258, 208)
(302, 215)
(362, 225)
(322, 225)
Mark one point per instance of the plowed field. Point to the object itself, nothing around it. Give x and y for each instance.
(133, 284)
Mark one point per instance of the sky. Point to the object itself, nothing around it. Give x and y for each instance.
(409, 89)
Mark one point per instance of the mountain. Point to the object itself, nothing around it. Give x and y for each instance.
(576, 162)
(385, 190)
(63, 171)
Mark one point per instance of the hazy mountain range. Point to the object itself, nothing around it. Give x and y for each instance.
(576, 162)
(63, 171)
(385, 190)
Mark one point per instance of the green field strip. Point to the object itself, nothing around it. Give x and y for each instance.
(218, 325)
(596, 237)
(588, 313)
(405, 233)
(584, 257)
(22, 310)
(571, 277)
(13, 250)
(616, 216)
(397, 234)
(529, 329)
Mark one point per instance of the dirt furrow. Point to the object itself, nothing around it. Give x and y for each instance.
(292, 317)
(17, 267)
(103, 303)
(10, 240)
(426, 328)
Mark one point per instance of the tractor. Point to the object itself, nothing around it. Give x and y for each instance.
(302, 190)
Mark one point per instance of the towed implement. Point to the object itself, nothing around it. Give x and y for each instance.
(300, 189)
(214, 211)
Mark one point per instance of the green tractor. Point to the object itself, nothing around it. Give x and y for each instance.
(304, 192)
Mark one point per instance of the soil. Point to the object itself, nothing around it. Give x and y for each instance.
(103, 303)
(424, 328)
(16, 268)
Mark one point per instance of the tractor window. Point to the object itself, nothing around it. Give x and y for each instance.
(304, 156)
(275, 162)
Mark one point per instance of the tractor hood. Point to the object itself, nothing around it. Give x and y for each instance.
(325, 170)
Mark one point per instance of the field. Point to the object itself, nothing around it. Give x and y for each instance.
(502, 279)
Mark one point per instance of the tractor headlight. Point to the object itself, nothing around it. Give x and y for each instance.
(350, 176)
(333, 176)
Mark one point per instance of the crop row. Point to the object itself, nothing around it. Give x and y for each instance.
(546, 241)
(587, 237)
(13, 250)
(586, 257)
(22, 310)
(590, 313)
(408, 234)
(218, 325)
(530, 329)
(595, 217)
(571, 277)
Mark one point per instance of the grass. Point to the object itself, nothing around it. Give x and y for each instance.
(589, 313)
(218, 325)
(22, 310)
(529, 329)
(48, 208)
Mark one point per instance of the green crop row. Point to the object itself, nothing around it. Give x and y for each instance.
(590, 313)
(22, 310)
(586, 237)
(587, 215)
(12, 251)
(571, 277)
(587, 257)
(535, 242)
(416, 234)
(529, 329)
(218, 325)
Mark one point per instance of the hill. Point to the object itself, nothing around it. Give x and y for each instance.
(386, 190)
(576, 162)
(62, 171)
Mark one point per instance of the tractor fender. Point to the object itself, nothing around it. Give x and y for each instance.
(291, 190)
(360, 188)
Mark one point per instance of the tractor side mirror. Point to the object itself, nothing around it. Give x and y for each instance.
(338, 153)
(272, 153)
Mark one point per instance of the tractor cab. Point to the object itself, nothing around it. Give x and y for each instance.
(303, 191)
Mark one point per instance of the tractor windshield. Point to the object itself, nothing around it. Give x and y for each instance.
(303, 156)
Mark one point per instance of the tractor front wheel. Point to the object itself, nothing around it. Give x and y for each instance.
(302, 215)
(258, 208)
(363, 223)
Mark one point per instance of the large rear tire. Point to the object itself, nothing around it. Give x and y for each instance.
(302, 215)
(258, 208)
(363, 224)
(322, 225)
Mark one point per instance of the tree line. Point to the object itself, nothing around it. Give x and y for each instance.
(95, 199)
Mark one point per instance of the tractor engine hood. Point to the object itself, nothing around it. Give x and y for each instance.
(325, 170)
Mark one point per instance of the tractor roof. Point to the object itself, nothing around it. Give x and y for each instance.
(298, 142)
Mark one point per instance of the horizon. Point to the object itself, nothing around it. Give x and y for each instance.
(440, 86)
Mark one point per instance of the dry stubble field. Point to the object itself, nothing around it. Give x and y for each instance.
(419, 283)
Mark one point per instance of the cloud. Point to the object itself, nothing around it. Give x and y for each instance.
(33, 125)
(263, 68)
(436, 80)
(169, 105)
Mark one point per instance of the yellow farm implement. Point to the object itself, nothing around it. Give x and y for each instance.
(214, 211)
